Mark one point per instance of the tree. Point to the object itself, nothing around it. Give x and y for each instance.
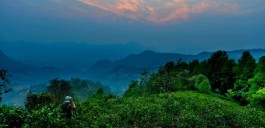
(60, 89)
(169, 66)
(168, 82)
(261, 66)
(100, 91)
(228, 76)
(258, 81)
(134, 89)
(258, 99)
(144, 78)
(3, 82)
(34, 101)
(181, 66)
(195, 67)
(220, 72)
(244, 70)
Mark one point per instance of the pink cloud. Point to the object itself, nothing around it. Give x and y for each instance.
(159, 11)
(201, 7)
(94, 4)
(127, 5)
(178, 1)
(177, 14)
(150, 9)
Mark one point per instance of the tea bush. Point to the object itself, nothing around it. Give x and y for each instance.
(179, 109)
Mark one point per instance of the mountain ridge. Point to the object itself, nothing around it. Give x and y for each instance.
(124, 70)
(10, 64)
(67, 54)
(165, 57)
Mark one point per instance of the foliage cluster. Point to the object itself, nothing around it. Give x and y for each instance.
(180, 109)
(82, 89)
(242, 81)
(3, 82)
(35, 101)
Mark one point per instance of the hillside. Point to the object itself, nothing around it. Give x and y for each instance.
(179, 109)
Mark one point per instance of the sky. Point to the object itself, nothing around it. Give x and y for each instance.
(180, 26)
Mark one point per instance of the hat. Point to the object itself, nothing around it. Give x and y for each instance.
(68, 98)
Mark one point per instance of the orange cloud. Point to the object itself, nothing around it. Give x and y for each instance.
(94, 4)
(127, 5)
(159, 11)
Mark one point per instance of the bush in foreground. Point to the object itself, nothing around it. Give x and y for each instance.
(180, 109)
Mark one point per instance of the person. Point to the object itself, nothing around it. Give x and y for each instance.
(68, 107)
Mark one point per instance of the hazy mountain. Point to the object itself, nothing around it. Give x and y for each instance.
(10, 64)
(66, 54)
(24, 77)
(146, 59)
(122, 71)
(151, 59)
(29, 74)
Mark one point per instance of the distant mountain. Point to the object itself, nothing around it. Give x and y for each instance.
(128, 68)
(67, 54)
(23, 76)
(151, 59)
(147, 59)
(10, 64)
(256, 53)
(24, 73)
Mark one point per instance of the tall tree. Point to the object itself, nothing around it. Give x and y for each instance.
(220, 71)
(258, 81)
(228, 76)
(3, 82)
(60, 89)
(261, 66)
(256, 94)
(181, 66)
(34, 101)
(196, 67)
(244, 70)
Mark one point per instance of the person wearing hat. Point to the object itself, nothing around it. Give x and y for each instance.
(68, 106)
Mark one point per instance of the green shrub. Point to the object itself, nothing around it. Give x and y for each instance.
(201, 83)
(35, 101)
(258, 99)
(204, 86)
(47, 116)
(12, 116)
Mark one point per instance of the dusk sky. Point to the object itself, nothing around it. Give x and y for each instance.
(184, 26)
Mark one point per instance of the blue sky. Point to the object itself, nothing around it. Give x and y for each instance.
(186, 26)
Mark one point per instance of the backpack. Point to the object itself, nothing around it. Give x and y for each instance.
(66, 107)
(71, 106)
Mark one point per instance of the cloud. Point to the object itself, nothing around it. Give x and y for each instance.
(161, 11)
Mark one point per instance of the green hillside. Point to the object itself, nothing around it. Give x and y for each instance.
(179, 109)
